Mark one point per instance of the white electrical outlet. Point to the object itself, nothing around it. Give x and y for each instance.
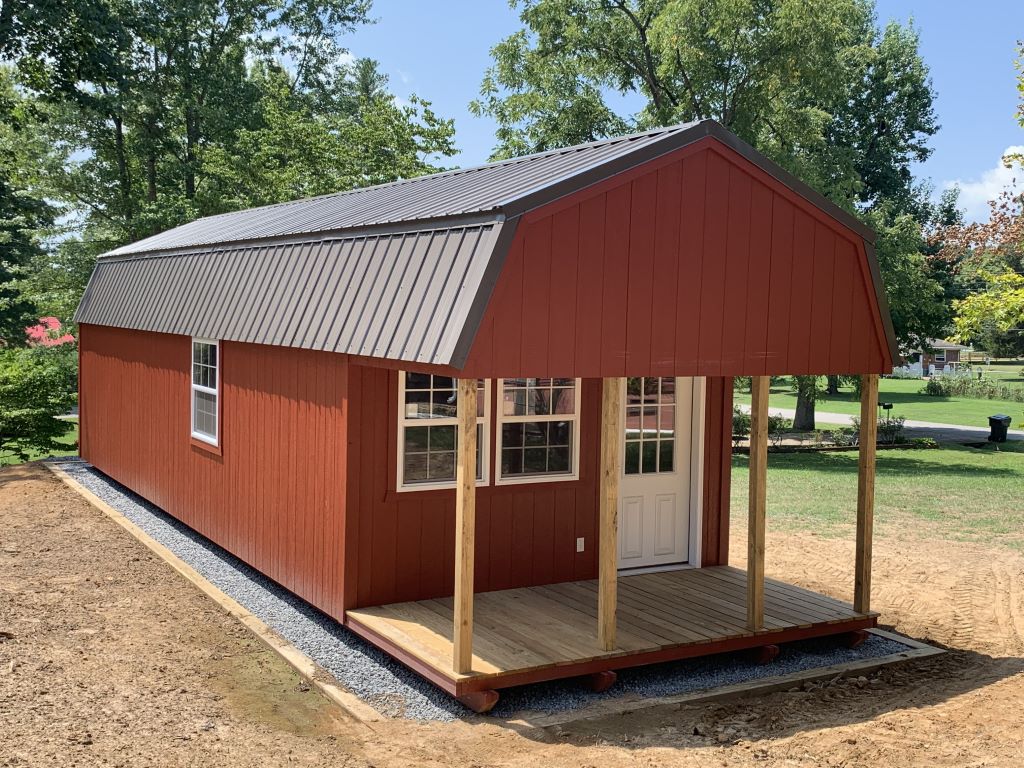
(579, 544)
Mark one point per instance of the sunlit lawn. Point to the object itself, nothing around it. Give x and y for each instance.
(907, 400)
(955, 492)
(70, 439)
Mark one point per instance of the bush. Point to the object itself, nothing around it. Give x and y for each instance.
(890, 429)
(777, 428)
(740, 424)
(985, 389)
(37, 384)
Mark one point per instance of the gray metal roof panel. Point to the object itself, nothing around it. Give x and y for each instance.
(349, 295)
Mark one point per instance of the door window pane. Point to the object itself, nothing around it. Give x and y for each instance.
(650, 425)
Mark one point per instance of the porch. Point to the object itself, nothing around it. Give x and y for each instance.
(472, 644)
(542, 633)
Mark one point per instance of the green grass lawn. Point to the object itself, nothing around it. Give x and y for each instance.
(70, 439)
(1005, 372)
(953, 492)
(905, 394)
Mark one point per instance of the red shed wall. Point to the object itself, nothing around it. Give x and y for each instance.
(698, 263)
(401, 546)
(275, 496)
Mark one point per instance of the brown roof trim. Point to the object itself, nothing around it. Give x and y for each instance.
(505, 231)
(788, 179)
(669, 143)
(882, 300)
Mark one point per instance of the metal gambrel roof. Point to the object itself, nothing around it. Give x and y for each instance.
(399, 296)
(401, 271)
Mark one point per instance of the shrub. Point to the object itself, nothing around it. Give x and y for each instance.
(890, 429)
(740, 424)
(777, 428)
(985, 389)
(37, 384)
(843, 436)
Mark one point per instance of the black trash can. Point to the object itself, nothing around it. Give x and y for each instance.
(998, 425)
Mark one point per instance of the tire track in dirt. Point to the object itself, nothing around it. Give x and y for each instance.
(1009, 615)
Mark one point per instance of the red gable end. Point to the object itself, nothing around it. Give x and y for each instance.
(696, 263)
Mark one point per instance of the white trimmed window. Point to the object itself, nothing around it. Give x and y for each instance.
(427, 429)
(940, 355)
(205, 390)
(538, 430)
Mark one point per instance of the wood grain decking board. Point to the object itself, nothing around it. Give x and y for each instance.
(518, 631)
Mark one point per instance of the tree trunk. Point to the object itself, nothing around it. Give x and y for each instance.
(833, 386)
(806, 391)
(191, 140)
(151, 175)
(123, 178)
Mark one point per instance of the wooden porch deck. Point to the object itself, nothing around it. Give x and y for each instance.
(543, 633)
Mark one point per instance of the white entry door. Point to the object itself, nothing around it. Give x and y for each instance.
(655, 492)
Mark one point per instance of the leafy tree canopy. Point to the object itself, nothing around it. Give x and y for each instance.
(155, 112)
(811, 83)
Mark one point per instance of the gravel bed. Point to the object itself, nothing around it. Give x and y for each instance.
(391, 688)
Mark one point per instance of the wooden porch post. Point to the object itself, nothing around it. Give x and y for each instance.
(465, 525)
(866, 491)
(756, 503)
(608, 534)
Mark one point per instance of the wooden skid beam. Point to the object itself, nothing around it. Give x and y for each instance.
(465, 525)
(765, 654)
(608, 535)
(868, 445)
(599, 682)
(480, 702)
(756, 502)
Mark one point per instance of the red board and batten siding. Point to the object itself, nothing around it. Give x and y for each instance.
(318, 512)
(401, 545)
(695, 264)
(275, 494)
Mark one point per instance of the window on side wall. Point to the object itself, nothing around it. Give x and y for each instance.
(538, 430)
(427, 429)
(205, 390)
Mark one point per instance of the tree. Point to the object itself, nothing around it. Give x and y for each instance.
(155, 113)
(812, 84)
(999, 306)
(36, 386)
(984, 264)
(24, 214)
(182, 108)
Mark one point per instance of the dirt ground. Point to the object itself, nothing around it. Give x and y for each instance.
(111, 658)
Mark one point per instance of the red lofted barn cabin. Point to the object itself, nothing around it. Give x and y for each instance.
(483, 418)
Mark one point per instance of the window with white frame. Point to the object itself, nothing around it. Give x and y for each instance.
(940, 355)
(427, 429)
(205, 388)
(538, 429)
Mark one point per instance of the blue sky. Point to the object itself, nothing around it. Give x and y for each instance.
(439, 50)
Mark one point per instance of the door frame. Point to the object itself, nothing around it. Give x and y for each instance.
(696, 495)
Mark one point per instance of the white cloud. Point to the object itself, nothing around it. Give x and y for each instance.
(403, 76)
(975, 193)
